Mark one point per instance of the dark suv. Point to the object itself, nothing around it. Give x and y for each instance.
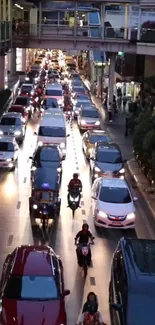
(106, 160)
(132, 284)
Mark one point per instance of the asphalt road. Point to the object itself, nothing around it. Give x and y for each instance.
(16, 228)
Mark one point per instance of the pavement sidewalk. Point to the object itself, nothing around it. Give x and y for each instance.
(116, 130)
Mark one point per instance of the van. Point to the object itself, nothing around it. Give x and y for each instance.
(55, 90)
(132, 283)
(52, 130)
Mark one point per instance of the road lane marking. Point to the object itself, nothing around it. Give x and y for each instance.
(10, 240)
(18, 205)
(77, 168)
(25, 179)
(82, 203)
(92, 281)
(83, 212)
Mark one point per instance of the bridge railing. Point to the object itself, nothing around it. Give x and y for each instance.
(52, 31)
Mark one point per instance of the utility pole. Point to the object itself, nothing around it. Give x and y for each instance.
(102, 76)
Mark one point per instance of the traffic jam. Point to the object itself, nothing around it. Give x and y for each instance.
(54, 95)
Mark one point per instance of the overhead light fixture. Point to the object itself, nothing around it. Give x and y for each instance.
(18, 6)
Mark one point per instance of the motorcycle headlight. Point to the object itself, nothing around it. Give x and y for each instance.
(122, 171)
(33, 168)
(17, 132)
(35, 207)
(97, 169)
(27, 79)
(59, 170)
(131, 216)
(1, 132)
(97, 123)
(62, 145)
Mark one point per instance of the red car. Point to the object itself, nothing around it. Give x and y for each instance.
(32, 287)
(20, 109)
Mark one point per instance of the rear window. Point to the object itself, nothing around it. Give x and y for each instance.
(47, 154)
(90, 113)
(52, 102)
(56, 132)
(11, 121)
(26, 88)
(96, 138)
(109, 156)
(24, 101)
(53, 92)
(6, 146)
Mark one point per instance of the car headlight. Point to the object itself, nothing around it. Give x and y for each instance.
(35, 207)
(74, 199)
(9, 159)
(27, 79)
(83, 122)
(17, 132)
(101, 214)
(40, 143)
(62, 145)
(122, 171)
(59, 170)
(1, 132)
(10, 165)
(97, 123)
(97, 169)
(131, 216)
(33, 168)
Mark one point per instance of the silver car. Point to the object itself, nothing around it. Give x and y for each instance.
(11, 124)
(89, 119)
(79, 105)
(9, 152)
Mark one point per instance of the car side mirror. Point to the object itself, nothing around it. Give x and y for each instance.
(93, 197)
(35, 133)
(68, 135)
(116, 307)
(135, 198)
(92, 158)
(66, 293)
(30, 158)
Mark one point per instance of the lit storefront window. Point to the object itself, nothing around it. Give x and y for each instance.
(19, 59)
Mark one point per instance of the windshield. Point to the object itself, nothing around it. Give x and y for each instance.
(50, 102)
(22, 101)
(53, 92)
(6, 146)
(26, 88)
(96, 138)
(31, 288)
(48, 154)
(107, 156)
(56, 132)
(90, 113)
(115, 195)
(10, 121)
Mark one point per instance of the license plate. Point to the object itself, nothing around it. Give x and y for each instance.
(116, 223)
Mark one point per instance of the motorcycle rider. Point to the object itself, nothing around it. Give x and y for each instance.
(91, 303)
(83, 237)
(90, 313)
(74, 184)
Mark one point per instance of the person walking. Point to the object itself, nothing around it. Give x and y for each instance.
(110, 112)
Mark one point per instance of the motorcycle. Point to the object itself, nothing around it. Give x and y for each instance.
(44, 215)
(69, 116)
(84, 251)
(74, 200)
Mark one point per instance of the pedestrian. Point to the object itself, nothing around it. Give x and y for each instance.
(124, 102)
(127, 125)
(110, 112)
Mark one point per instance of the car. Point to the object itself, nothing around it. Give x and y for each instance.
(26, 102)
(78, 90)
(9, 152)
(90, 138)
(11, 125)
(106, 160)
(88, 119)
(132, 282)
(77, 107)
(47, 156)
(32, 76)
(49, 102)
(76, 83)
(20, 109)
(113, 204)
(26, 89)
(33, 280)
(81, 97)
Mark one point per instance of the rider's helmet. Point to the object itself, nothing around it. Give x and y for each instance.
(85, 227)
(75, 176)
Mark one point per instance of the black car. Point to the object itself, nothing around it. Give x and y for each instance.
(132, 283)
(26, 102)
(47, 156)
(106, 160)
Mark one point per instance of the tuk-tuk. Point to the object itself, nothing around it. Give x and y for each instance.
(45, 202)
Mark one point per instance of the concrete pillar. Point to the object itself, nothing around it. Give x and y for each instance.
(139, 24)
(13, 62)
(23, 59)
(33, 21)
(2, 71)
(4, 9)
(129, 22)
(9, 12)
(126, 22)
(102, 19)
(111, 78)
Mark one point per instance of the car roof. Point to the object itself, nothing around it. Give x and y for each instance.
(48, 176)
(4, 138)
(107, 146)
(113, 182)
(33, 260)
(25, 85)
(52, 120)
(96, 132)
(88, 108)
(12, 114)
(54, 86)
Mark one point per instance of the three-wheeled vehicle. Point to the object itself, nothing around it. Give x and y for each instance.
(45, 202)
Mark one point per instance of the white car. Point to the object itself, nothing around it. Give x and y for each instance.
(11, 124)
(9, 151)
(113, 204)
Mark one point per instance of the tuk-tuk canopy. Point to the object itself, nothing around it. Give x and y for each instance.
(46, 178)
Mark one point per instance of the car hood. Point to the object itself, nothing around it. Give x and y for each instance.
(6, 155)
(115, 209)
(109, 167)
(10, 128)
(15, 312)
(90, 120)
(48, 164)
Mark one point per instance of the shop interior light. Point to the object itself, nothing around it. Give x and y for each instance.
(18, 6)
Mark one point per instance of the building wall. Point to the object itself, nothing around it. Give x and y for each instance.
(149, 66)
